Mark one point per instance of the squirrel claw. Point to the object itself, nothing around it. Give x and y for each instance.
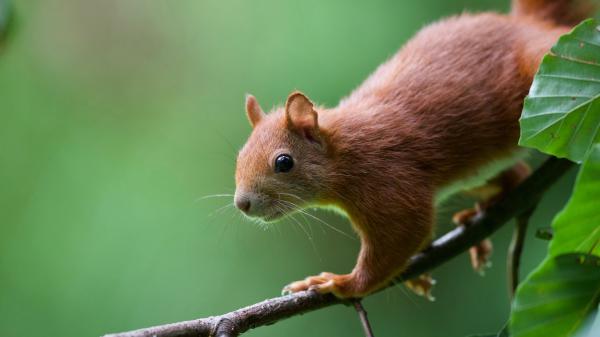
(322, 283)
(463, 217)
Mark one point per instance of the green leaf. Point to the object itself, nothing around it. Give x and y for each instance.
(561, 114)
(557, 298)
(577, 227)
(561, 294)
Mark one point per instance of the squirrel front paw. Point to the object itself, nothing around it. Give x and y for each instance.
(342, 286)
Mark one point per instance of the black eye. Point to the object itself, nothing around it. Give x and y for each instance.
(283, 163)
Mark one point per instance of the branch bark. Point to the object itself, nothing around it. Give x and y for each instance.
(234, 323)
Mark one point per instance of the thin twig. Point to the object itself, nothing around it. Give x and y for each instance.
(515, 249)
(519, 200)
(364, 320)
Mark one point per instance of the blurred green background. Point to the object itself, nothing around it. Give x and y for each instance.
(116, 116)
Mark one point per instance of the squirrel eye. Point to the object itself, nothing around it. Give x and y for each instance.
(283, 163)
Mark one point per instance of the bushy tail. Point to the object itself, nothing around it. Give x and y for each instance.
(559, 12)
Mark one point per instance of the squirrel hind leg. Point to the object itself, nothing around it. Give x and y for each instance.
(422, 285)
(487, 195)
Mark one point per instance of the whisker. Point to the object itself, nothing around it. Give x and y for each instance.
(224, 230)
(310, 238)
(302, 227)
(328, 225)
(297, 208)
(291, 195)
(281, 208)
(303, 215)
(214, 196)
(220, 209)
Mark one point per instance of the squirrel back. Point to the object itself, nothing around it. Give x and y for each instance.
(558, 12)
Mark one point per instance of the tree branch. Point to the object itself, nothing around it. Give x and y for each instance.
(515, 203)
(364, 320)
(513, 261)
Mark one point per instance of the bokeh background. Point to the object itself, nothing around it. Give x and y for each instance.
(118, 116)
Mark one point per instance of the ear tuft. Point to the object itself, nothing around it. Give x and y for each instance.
(253, 110)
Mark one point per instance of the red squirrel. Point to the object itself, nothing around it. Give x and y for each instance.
(441, 111)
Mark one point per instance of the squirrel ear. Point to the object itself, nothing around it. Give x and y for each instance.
(253, 110)
(301, 116)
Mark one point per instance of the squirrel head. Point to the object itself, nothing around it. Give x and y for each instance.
(283, 165)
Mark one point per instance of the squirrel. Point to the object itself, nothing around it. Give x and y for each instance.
(443, 110)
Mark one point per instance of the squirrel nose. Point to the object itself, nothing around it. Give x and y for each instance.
(243, 204)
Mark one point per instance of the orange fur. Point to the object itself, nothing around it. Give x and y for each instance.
(445, 105)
